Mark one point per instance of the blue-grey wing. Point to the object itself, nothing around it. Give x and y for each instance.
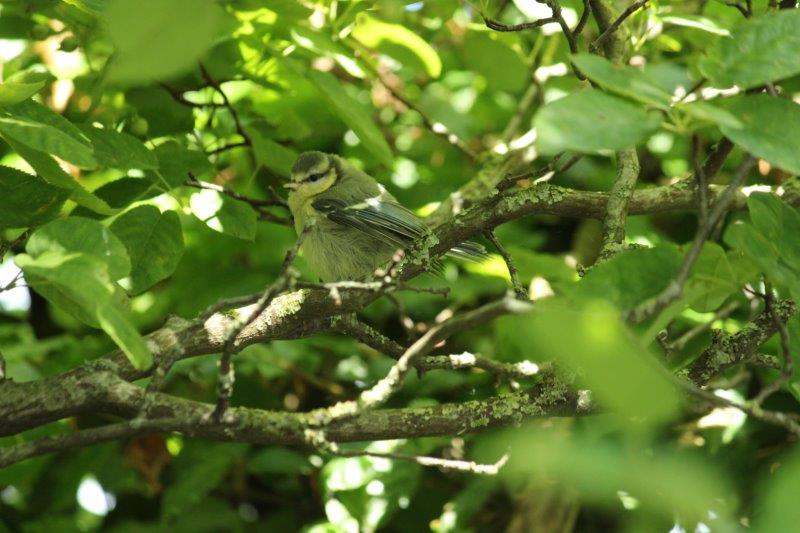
(387, 220)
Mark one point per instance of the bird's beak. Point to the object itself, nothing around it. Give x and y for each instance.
(291, 185)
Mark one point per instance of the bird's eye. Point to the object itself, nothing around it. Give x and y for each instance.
(314, 177)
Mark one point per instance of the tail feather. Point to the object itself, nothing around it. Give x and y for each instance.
(471, 251)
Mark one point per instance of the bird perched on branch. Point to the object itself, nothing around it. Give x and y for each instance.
(358, 224)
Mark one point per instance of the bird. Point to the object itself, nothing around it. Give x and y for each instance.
(358, 225)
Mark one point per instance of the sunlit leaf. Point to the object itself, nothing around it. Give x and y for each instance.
(589, 121)
(154, 243)
(27, 200)
(399, 42)
(761, 49)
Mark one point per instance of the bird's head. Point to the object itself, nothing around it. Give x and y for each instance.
(312, 174)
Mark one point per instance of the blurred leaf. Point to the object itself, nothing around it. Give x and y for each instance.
(590, 120)
(15, 92)
(37, 127)
(770, 128)
(398, 42)
(630, 277)
(197, 470)
(224, 214)
(322, 43)
(154, 242)
(697, 22)
(272, 155)
(119, 150)
(663, 481)
(777, 509)
(27, 200)
(278, 461)
(163, 114)
(80, 285)
(502, 67)
(82, 235)
(352, 113)
(621, 79)
(620, 371)
(760, 50)
(155, 40)
(708, 112)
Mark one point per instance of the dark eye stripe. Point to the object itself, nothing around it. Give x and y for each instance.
(314, 177)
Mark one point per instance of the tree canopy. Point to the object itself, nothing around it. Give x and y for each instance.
(623, 360)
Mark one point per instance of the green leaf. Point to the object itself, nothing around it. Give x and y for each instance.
(500, 65)
(119, 327)
(352, 113)
(83, 235)
(589, 121)
(622, 79)
(154, 242)
(630, 277)
(770, 128)
(398, 42)
(272, 155)
(591, 337)
(696, 22)
(322, 43)
(197, 470)
(49, 169)
(119, 150)
(174, 165)
(771, 240)
(37, 127)
(79, 284)
(713, 279)
(27, 200)
(777, 509)
(164, 115)
(760, 50)
(224, 214)
(157, 40)
(278, 461)
(15, 92)
(707, 112)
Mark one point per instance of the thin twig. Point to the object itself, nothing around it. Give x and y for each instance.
(181, 99)
(258, 205)
(284, 282)
(454, 465)
(674, 290)
(583, 20)
(614, 26)
(681, 342)
(496, 25)
(390, 383)
(513, 273)
(227, 103)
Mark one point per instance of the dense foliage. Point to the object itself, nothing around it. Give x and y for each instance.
(637, 160)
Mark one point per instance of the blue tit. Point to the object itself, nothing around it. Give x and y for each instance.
(358, 225)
